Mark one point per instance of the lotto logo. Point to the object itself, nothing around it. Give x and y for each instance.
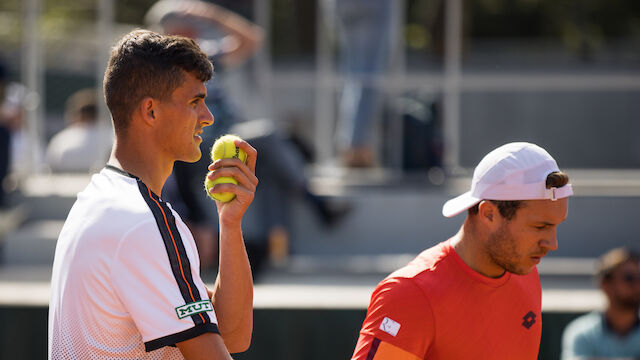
(193, 308)
(529, 319)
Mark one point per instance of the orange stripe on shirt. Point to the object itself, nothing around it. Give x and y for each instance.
(387, 351)
(176, 248)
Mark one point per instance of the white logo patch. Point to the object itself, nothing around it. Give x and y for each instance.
(194, 308)
(389, 326)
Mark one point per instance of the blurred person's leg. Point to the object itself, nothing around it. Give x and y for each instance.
(281, 172)
(282, 164)
(283, 160)
(268, 210)
(364, 27)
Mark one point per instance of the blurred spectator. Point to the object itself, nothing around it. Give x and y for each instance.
(5, 136)
(15, 144)
(364, 30)
(11, 106)
(282, 179)
(616, 332)
(229, 40)
(77, 147)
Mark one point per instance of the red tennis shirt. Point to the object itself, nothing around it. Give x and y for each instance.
(437, 307)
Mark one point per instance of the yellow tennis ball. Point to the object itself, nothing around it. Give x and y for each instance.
(225, 196)
(224, 148)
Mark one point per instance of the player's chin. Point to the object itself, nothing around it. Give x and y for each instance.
(527, 271)
(194, 156)
(523, 268)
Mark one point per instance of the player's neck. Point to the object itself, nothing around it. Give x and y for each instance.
(142, 161)
(469, 245)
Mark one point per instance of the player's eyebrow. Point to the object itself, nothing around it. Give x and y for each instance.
(200, 96)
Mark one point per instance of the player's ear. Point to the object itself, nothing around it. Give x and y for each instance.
(487, 212)
(147, 108)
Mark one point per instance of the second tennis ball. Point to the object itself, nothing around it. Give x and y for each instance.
(223, 148)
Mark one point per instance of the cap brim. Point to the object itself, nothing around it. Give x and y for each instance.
(459, 204)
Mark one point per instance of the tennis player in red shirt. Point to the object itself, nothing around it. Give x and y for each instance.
(476, 295)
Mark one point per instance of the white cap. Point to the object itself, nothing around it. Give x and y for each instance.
(515, 171)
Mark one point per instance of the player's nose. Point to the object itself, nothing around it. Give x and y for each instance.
(550, 243)
(206, 117)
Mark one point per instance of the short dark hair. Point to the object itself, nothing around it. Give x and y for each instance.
(508, 208)
(144, 63)
(609, 262)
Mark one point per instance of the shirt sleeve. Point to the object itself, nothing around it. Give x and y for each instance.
(156, 277)
(399, 323)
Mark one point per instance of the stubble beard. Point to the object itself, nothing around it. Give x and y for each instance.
(501, 248)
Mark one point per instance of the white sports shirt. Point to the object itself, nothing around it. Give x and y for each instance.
(125, 281)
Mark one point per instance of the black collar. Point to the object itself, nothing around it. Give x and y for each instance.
(119, 171)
